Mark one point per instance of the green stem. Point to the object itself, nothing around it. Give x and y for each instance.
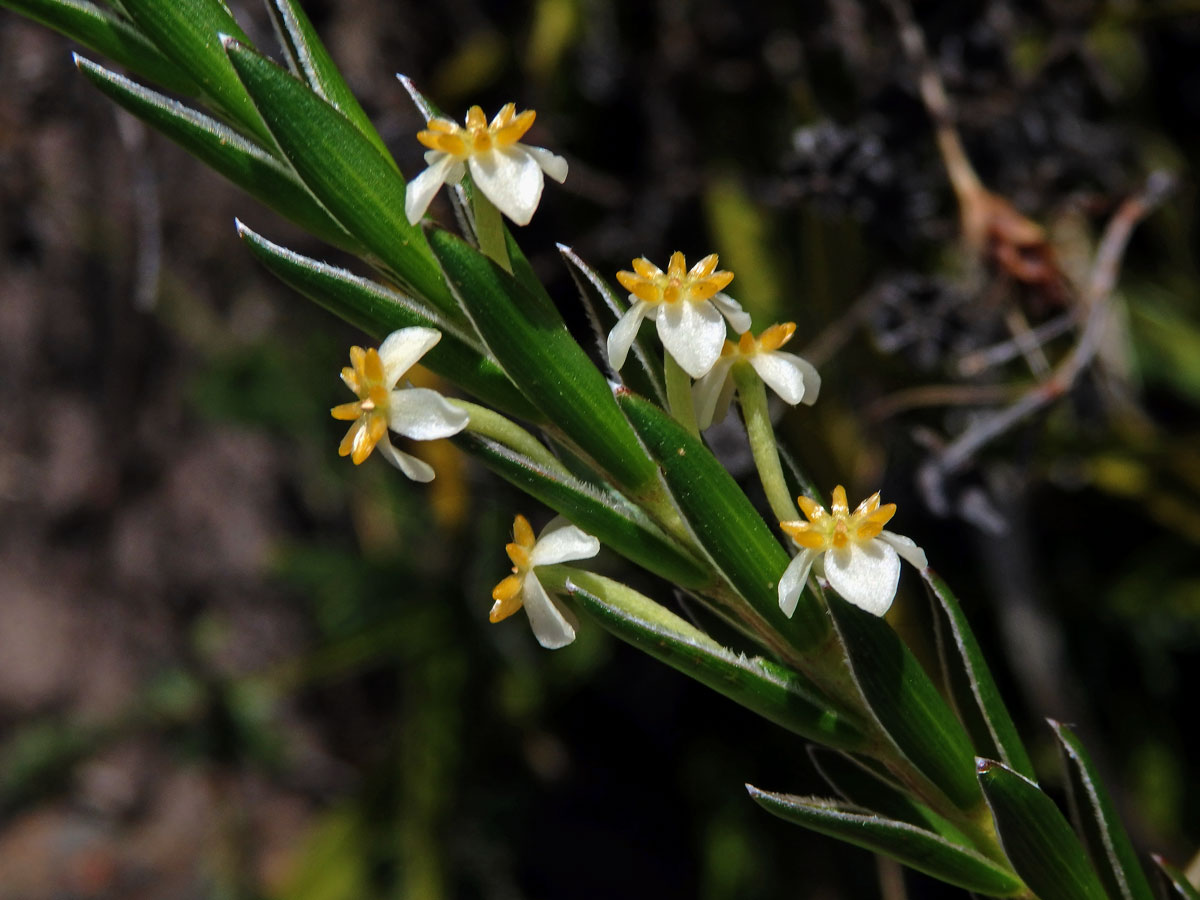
(753, 395)
(489, 229)
(486, 423)
(679, 395)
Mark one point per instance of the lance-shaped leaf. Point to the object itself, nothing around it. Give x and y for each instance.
(189, 33)
(773, 691)
(643, 373)
(857, 780)
(530, 340)
(1104, 837)
(914, 847)
(618, 524)
(970, 685)
(310, 60)
(1177, 886)
(725, 522)
(378, 311)
(221, 148)
(1036, 837)
(345, 171)
(100, 30)
(906, 703)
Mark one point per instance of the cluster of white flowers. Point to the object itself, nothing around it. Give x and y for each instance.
(850, 550)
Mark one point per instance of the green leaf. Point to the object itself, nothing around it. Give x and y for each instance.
(1178, 886)
(914, 847)
(906, 703)
(355, 182)
(527, 335)
(100, 30)
(725, 522)
(379, 311)
(604, 308)
(310, 61)
(857, 780)
(1036, 837)
(220, 147)
(1104, 837)
(970, 685)
(617, 523)
(773, 691)
(189, 33)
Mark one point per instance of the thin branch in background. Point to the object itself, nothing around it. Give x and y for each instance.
(1095, 303)
(939, 395)
(1022, 336)
(992, 228)
(971, 364)
(825, 346)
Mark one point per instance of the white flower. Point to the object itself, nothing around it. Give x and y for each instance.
(508, 172)
(559, 542)
(792, 378)
(686, 305)
(417, 413)
(860, 560)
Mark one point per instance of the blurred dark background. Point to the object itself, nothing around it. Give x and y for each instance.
(235, 666)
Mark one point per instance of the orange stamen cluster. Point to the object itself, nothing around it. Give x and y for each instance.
(370, 412)
(478, 137)
(838, 527)
(770, 340)
(650, 283)
(507, 593)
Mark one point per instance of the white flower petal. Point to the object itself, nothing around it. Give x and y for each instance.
(794, 379)
(731, 310)
(562, 542)
(907, 548)
(511, 179)
(552, 164)
(550, 626)
(709, 391)
(693, 334)
(424, 415)
(402, 348)
(414, 468)
(419, 193)
(792, 582)
(621, 338)
(865, 574)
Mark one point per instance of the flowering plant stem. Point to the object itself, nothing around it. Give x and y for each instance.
(753, 396)
(679, 395)
(486, 423)
(489, 229)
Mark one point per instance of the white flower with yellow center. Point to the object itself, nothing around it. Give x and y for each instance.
(794, 379)
(687, 305)
(508, 172)
(417, 413)
(858, 558)
(559, 542)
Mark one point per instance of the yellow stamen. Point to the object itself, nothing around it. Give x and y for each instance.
(369, 413)
(507, 593)
(838, 528)
(650, 284)
(478, 136)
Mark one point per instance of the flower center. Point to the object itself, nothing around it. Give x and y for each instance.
(478, 136)
(838, 527)
(651, 284)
